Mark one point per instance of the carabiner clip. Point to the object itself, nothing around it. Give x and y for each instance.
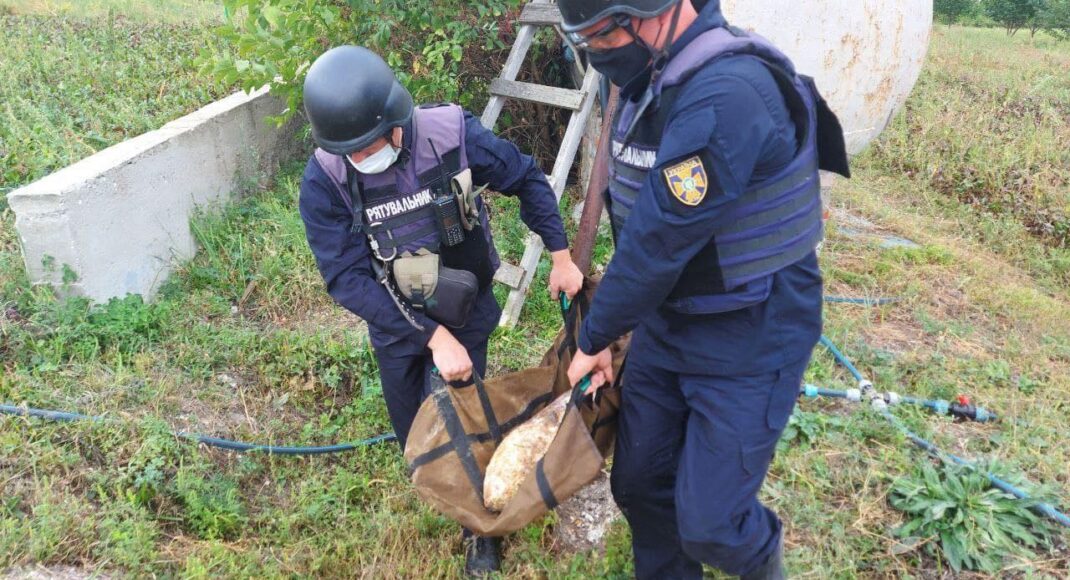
(375, 244)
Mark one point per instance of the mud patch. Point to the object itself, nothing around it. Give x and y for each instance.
(584, 520)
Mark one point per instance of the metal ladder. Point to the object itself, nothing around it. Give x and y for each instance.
(535, 14)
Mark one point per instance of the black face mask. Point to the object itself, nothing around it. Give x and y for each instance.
(628, 67)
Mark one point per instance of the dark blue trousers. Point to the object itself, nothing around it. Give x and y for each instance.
(407, 382)
(692, 452)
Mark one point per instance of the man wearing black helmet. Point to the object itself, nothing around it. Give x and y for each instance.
(392, 212)
(714, 201)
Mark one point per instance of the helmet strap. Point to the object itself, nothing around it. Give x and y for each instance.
(660, 59)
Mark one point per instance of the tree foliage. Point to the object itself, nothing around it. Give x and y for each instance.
(1012, 15)
(949, 11)
(1056, 18)
(274, 41)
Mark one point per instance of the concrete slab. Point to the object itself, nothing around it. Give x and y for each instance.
(117, 222)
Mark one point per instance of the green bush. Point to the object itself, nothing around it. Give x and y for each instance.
(971, 525)
(127, 537)
(213, 507)
(274, 41)
(52, 332)
(950, 11)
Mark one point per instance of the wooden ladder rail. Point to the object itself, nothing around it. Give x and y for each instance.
(581, 102)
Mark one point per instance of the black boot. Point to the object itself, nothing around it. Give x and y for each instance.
(482, 556)
(772, 569)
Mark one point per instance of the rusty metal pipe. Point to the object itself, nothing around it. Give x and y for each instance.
(583, 245)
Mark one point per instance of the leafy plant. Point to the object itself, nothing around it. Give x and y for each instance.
(1056, 18)
(75, 330)
(213, 508)
(805, 427)
(972, 525)
(274, 41)
(143, 476)
(1014, 14)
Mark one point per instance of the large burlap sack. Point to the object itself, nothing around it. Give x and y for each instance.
(457, 431)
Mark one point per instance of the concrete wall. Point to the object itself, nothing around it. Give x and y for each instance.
(120, 219)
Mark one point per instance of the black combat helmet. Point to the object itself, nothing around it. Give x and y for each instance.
(579, 14)
(352, 98)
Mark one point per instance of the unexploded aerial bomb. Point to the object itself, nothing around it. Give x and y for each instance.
(518, 453)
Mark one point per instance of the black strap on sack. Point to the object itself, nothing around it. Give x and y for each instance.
(616, 385)
(569, 314)
(533, 406)
(488, 410)
(544, 486)
(455, 430)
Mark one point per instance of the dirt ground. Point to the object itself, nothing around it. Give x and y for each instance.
(584, 519)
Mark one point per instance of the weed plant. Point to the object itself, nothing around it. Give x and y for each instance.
(965, 521)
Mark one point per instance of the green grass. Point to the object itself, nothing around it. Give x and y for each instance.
(72, 86)
(987, 126)
(244, 343)
(167, 11)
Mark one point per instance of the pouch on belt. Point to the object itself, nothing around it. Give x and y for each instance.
(446, 295)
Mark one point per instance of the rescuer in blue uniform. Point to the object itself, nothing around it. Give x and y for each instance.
(715, 206)
(401, 236)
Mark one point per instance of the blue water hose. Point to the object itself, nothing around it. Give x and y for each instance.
(942, 407)
(840, 358)
(218, 442)
(813, 391)
(1043, 508)
(963, 410)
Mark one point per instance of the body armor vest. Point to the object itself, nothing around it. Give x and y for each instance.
(773, 224)
(395, 206)
(396, 209)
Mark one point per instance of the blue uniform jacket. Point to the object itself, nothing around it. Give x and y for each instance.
(344, 259)
(732, 114)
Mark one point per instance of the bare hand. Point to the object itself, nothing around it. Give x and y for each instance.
(450, 356)
(565, 276)
(599, 366)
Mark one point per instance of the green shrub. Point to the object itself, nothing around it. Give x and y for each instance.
(971, 525)
(425, 42)
(144, 474)
(127, 537)
(805, 428)
(212, 507)
(61, 331)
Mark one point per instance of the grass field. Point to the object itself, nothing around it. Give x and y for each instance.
(244, 343)
(73, 85)
(149, 11)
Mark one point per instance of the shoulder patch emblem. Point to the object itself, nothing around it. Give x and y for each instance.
(687, 181)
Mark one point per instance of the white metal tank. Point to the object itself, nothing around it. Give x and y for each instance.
(865, 54)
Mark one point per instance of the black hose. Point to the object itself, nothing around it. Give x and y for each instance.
(217, 442)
